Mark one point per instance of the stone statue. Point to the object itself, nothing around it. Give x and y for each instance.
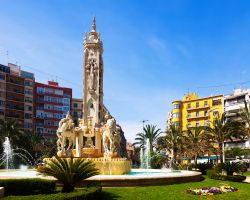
(92, 76)
(110, 136)
(66, 131)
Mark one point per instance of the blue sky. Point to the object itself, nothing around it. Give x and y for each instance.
(154, 51)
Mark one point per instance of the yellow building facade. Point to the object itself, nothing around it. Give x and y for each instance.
(193, 111)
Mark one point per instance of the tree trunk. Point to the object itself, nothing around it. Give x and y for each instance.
(221, 152)
(67, 188)
(195, 159)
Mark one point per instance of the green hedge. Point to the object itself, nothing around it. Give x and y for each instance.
(79, 194)
(213, 175)
(236, 178)
(27, 186)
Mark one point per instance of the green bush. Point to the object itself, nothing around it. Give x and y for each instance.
(27, 186)
(78, 194)
(157, 161)
(232, 167)
(244, 167)
(203, 167)
(236, 178)
(213, 175)
(68, 171)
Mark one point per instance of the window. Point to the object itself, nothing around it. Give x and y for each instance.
(27, 125)
(206, 123)
(67, 95)
(2, 77)
(197, 114)
(205, 104)
(177, 106)
(189, 115)
(2, 103)
(197, 123)
(91, 105)
(59, 92)
(40, 90)
(189, 105)
(66, 101)
(176, 123)
(28, 116)
(215, 113)
(2, 85)
(28, 91)
(28, 108)
(216, 102)
(66, 109)
(75, 114)
(28, 83)
(1, 112)
(197, 105)
(176, 115)
(75, 105)
(39, 114)
(28, 99)
(205, 113)
(39, 129)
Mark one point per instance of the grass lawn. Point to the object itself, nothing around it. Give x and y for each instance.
(176, 191)
(247, 173)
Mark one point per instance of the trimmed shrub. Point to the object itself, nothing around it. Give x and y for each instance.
(68, 171)
(232, 167)
(203, 167)
(213, 175)
(78, 194)
(236, 178)
(27, 186)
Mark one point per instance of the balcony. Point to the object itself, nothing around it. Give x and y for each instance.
(13, 107)
(14, 99)
(197, 108)
(196, 117)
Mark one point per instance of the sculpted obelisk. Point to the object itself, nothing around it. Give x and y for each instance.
(93, 109)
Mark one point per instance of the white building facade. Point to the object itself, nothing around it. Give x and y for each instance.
(233, 104)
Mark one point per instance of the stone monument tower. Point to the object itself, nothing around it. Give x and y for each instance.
(93, 79)
(98, 135)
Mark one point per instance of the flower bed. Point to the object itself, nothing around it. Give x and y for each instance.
(212, 190)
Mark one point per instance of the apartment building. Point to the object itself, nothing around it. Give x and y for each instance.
(233, 104)
(193, 111)
(16, 86)
(51, 104)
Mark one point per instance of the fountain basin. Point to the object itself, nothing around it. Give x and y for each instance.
(147, 177)
(110, 166)
(137, 177)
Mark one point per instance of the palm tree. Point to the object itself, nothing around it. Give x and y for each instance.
(194, 140)
(224, 129)
(245, 116)
(151, 133)
(173, 141)
(68, 171)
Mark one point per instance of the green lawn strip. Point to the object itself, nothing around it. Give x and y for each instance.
(178, 191)
(246, 173)
(79, 193)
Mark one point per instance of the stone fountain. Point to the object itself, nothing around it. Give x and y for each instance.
(97, 136)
